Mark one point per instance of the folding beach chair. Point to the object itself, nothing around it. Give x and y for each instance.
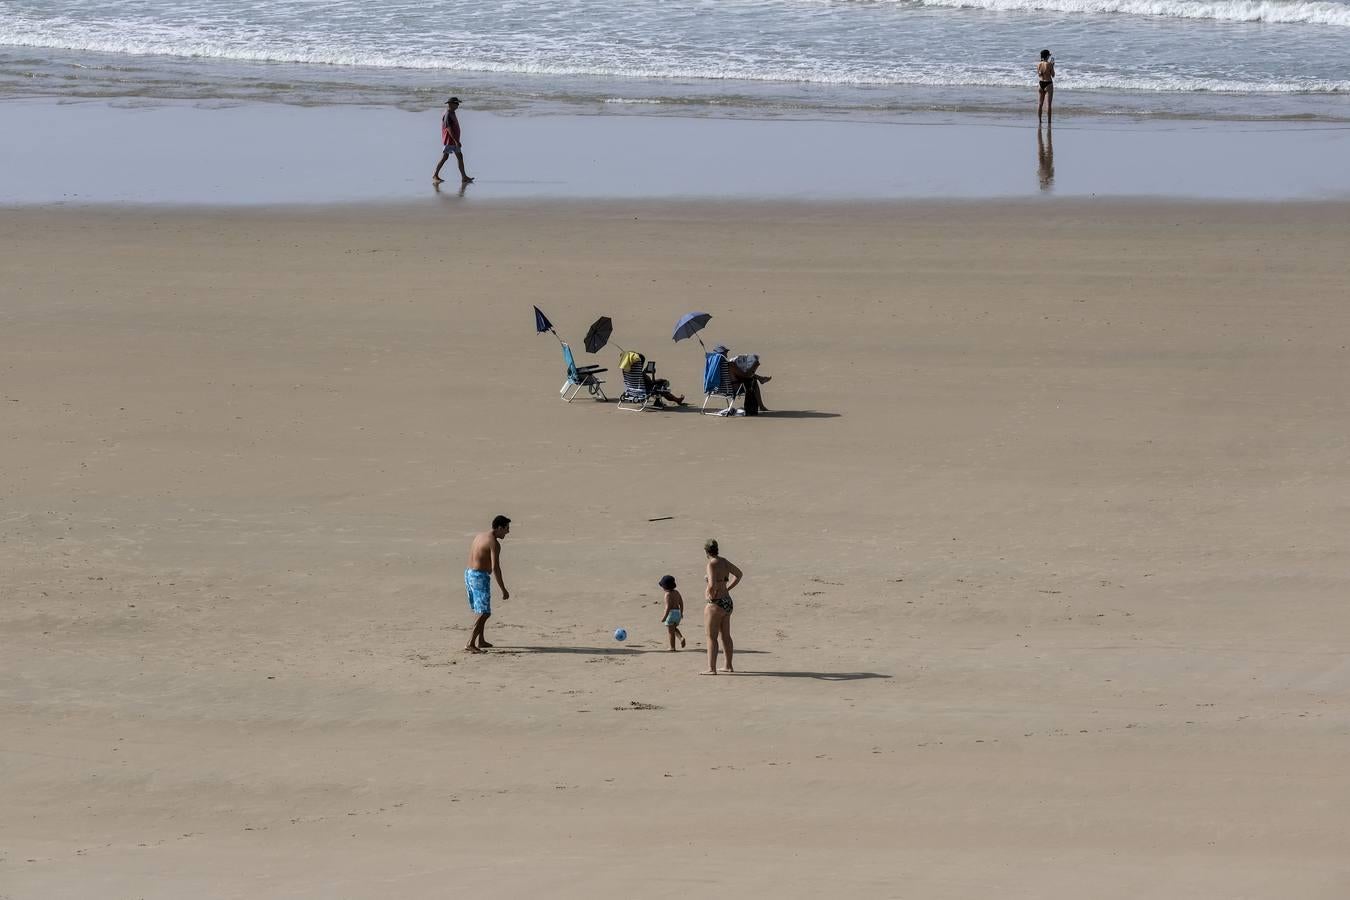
(717, 382)
(635, 396)
(578, 378)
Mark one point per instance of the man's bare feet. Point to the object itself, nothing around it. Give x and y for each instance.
(472, 649)
(467, 180)
(485, 645)
(729, 671)
(709, 672)
(436, 179)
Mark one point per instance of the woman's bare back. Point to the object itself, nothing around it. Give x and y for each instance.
(721, 573)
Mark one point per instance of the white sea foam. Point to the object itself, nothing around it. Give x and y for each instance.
(1280, 12)
(186, 42)
(629, 52)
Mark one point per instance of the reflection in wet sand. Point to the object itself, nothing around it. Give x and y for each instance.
(464, 186)
(1045, 159)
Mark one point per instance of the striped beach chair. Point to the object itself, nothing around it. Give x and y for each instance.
(580, 377)
(717, 382)
(635, 396)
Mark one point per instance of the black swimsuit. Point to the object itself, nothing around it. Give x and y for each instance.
(723, 603)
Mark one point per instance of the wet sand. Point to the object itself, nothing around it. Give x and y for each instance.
(153, 152)
(1044, 546)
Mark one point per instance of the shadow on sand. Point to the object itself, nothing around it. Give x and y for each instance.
(769, 413)
(819, 676)
(583, 651)
(690, 407)
(799, 414)
(606, 651)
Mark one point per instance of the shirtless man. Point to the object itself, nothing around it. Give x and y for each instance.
(1045, 73)
(722, 577)
(485, 562)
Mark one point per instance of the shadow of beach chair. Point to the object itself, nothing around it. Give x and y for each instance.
(635, 396)
(579, 377)
(717, 382)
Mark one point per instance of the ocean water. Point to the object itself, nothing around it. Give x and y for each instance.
(1221, 59)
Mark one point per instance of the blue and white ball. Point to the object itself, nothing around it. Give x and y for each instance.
(620, 634)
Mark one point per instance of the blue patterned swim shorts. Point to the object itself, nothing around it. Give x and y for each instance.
(478, 588)
(673, 617)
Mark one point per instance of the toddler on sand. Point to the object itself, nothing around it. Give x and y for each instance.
(674, 610)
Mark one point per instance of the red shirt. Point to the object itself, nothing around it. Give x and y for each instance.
(450, 128)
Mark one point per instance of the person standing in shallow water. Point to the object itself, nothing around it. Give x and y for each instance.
(485, 563)
(450, 142)
(1045, 74)
(723, 575)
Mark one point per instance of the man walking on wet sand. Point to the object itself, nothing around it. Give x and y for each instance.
(450, 142)
(485, 563)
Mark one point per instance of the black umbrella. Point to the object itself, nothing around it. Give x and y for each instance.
(599, 333)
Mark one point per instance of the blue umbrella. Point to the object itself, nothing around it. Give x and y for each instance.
(689, 326)
(542, 324)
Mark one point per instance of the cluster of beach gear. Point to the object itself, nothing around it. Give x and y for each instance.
(641, 390)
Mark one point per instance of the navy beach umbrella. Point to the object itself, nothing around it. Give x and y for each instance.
(689, 326)
(542, 324)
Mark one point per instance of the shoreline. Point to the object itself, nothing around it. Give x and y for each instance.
(733, 209)
(259, 154)
(61, 74)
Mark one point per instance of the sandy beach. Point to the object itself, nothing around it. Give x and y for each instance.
(1043, 542)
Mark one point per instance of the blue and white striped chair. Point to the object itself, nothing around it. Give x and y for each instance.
(635, 396)
(717, 382)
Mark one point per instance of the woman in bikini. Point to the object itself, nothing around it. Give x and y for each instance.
(722, 577)
(1045, 74)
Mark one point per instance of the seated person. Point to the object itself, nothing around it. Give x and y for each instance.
(744, 369)
(658, 386)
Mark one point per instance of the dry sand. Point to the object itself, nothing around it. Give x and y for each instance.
(1045, 547)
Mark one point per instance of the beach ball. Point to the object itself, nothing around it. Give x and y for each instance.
(621, 634)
